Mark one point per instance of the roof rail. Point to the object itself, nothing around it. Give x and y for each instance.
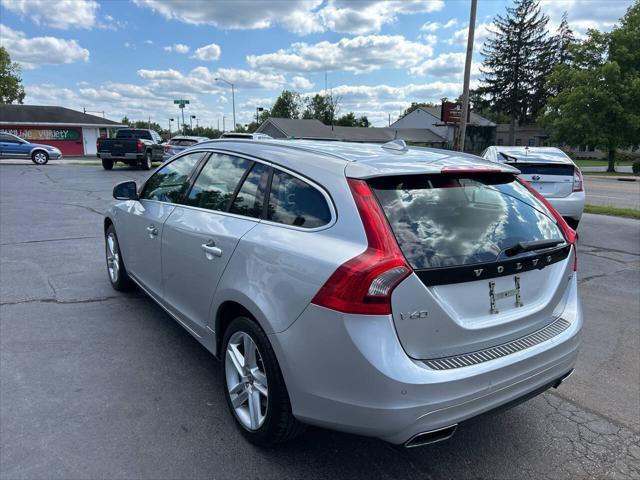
(397, 145)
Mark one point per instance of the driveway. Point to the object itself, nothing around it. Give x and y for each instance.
(99, 384)
(612, 192)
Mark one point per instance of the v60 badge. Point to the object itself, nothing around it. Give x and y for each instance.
(413, 315)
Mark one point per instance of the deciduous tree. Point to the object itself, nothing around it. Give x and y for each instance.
(11, 89)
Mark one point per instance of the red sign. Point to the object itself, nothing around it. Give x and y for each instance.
(452, 113)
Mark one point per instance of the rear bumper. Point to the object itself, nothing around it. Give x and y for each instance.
(350, 373)
(126, 156)
(570, 206)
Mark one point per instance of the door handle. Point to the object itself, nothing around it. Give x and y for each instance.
(210, 250)
(152, 231)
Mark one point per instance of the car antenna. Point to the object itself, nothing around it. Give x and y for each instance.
(398, 145)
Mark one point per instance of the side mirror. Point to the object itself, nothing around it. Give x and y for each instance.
(126, 191)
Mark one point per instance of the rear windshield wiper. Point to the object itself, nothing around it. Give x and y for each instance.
(521, 247)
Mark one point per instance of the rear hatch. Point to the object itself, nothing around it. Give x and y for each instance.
(490, 262)
(550, 173)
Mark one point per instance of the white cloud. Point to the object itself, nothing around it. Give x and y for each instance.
(110, 23)
(482, 32)
(436, 26)
(360, 54)
(208, 52)
(583, 14)
(36, 51)
(301, 83)
(366, 16)
(178, 48)
(445, 65)
(62, 14)
(149, 42)
(201, 79)
(298, 16)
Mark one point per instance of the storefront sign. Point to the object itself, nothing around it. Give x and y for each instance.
(35, 134)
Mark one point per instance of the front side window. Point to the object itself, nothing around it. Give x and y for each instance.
(168, 183)
(217, 182)
(294, 202)
(449, 221)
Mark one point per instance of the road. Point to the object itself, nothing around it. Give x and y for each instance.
(99, 384)
(612, 192)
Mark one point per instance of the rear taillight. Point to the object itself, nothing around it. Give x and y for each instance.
(569, 233)
(363, 285)
(577, 180)
(98, 143)
(167, 148)
(139, 146)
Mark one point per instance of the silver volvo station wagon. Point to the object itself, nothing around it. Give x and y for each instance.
(381, 290)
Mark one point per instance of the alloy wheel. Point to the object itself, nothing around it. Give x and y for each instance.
(246, 380)
(40, 158)
(113, 257)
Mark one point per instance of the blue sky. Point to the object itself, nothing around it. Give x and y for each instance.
(134, 57)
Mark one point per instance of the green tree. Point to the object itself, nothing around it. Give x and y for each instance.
(287, 105)
(11, 89)
(516, 62)
(321, 107)
(363, 121)
(562, 40)
(125, 121)
(347, 120)
(598, 99)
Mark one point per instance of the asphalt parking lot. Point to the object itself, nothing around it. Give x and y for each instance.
(98, 384)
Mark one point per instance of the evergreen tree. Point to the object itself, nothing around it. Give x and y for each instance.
(516, 62)
(563, 38)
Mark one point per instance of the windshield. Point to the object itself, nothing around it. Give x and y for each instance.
(448, 221)
(182, 142)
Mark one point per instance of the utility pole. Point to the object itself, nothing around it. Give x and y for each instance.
(149, 122)
(223, 127)
(462, 133)
(233, 99)
(170, 120)
(389, 119)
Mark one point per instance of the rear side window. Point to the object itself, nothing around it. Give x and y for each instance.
(142, 134)
(168, 183)
(448, 221)
(544, 169)
(250, 197)
(217, 182)
(295, 202)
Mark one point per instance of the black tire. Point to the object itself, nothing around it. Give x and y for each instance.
(40, 157)
(122, 281)
(573, 223)
(279, 425)
(107, 164)
(147, 161)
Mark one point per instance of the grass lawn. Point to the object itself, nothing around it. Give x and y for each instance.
(615, 211)
(611, 174)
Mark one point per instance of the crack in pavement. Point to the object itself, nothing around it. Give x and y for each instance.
(61, 302)
(48, 240)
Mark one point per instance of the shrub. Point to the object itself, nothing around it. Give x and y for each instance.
(636, 167)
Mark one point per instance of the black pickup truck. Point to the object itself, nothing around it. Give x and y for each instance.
(133, 146)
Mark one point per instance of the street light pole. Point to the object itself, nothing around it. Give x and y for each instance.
(258, 110)
(467, 73)
(233, 99)
(170, 120)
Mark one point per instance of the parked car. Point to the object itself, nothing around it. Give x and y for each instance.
(179, 143)
(247, 136)
(386, 291)
(551, 172)
(12, 146)
(136, 147)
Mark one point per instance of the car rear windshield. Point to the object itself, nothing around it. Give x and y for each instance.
(448, 221)
(543, 169)
(182, 142)
(142, 134)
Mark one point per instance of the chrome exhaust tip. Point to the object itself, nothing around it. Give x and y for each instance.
(432, 436)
